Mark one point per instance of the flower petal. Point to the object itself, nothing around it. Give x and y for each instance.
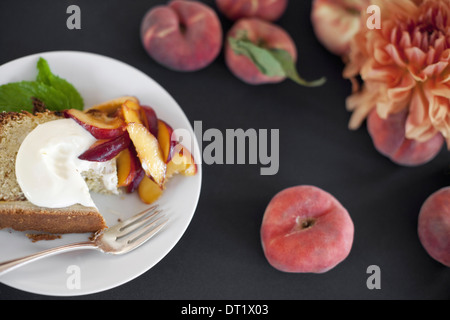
(418, 123)
(434, 70)
(403, 89)
(440, 115)
(395, 55)
(361, 103)
(416, 60)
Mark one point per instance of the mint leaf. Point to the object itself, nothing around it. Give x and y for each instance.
(56, 93)
(18, 96)
(75, 101)
(14, 96)
(271, 62)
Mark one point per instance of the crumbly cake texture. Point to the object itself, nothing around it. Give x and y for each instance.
(14, 127)
(15, 211)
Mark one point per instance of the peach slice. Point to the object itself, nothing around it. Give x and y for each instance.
(127, 168)
(149, 191)
(97, 123)
(131, 111)
(165, 132)
(105, 150)
(150, 119)
(111, 106)
(182, 162)
(140, 174)
(148, 151)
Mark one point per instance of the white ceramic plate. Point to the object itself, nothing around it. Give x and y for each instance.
(98, 79)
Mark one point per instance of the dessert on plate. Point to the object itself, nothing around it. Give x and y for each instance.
(50, 162)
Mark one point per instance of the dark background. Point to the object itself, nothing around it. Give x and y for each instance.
(220, 255)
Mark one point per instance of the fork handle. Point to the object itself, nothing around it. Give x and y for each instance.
(15, 263)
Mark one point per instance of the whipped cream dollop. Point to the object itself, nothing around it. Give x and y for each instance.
(48, 169)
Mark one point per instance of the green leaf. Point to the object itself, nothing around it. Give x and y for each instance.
(271, 62)
(18, 96)
(75, 101)
(56, 93)
(288, 65)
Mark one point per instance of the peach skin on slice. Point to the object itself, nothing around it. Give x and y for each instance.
(165, 140)
(148, 151)
(150, 119)
(149, 191)
(182, 162)
(98, 124)
(126, 168)
(111, 106)
(140, 174)
(107, 149)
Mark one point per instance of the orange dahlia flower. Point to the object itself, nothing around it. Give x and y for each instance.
(405, 65)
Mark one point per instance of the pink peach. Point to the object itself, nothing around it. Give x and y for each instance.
(434, 226)
(336, 22)
(269, 10)
(264, 34)
(388, 136)
(307, 230)
(183, 36)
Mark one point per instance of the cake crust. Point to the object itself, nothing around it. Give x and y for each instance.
(24, 216)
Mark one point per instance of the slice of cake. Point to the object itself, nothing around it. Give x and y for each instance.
(16, 211)
(50, 162)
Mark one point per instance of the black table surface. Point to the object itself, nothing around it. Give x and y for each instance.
(220, 255)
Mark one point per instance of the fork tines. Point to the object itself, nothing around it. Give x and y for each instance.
(142, 226)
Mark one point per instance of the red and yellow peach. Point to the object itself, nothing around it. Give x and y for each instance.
(269, 10)
(183, 35)
(434, 226)
(263, 34)
(388, 136)
(336, 22)
(307, 230)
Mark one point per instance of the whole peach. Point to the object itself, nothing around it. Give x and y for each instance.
(264, 34)
(183, 36)
(336, 22)
(269, 10)
(388, 136)
(434, 226)
(305, 229)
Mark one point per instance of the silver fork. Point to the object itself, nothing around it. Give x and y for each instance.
(119, 239)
